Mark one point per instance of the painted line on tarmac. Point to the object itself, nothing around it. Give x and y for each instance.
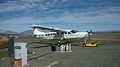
(52, 64)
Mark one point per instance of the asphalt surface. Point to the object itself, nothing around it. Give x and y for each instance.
(102, 56)
(5, 62)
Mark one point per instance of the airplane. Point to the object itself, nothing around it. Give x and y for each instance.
(56, 33)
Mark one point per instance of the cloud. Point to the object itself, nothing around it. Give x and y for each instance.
(65, 11)
(82, 17)
(60, 12)
(17, 5)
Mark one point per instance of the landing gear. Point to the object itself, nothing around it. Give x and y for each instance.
(83, 45)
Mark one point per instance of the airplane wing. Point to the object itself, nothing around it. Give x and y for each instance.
(48, 28)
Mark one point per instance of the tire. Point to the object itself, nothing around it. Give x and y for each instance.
(83, 45)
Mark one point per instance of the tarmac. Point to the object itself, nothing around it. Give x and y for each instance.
(102, 56)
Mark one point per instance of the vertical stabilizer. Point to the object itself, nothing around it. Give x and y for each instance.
(36, 30)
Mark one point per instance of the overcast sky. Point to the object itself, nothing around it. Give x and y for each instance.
(81, 15)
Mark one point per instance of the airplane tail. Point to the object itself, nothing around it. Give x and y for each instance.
(36, 30)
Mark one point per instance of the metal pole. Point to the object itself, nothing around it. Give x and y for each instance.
(11, 60)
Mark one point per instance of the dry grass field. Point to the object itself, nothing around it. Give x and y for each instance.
(3, 42)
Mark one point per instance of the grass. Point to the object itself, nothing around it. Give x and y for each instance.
(3, 45)
(3, 54)
(3, 42)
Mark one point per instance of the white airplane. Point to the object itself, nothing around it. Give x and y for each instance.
(55, 33)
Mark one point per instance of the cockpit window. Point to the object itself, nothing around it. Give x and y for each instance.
(73, 31)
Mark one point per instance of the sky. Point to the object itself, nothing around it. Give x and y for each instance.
(81, 15)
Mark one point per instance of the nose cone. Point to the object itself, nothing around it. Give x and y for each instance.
(90, 33)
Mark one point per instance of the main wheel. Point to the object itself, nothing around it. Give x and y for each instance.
(83, 45)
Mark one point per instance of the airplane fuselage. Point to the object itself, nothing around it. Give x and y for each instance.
(66, 35)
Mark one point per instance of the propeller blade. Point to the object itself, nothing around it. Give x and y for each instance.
(90, 31)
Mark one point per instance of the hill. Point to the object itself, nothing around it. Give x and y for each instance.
(27, 32)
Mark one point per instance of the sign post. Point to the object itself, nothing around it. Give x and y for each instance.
(10, 45)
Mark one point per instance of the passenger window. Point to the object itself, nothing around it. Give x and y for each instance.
(69, 33)
(54, 34)
(65, 32)
(62, 32)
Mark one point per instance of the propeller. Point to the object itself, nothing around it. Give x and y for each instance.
(89, 33)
